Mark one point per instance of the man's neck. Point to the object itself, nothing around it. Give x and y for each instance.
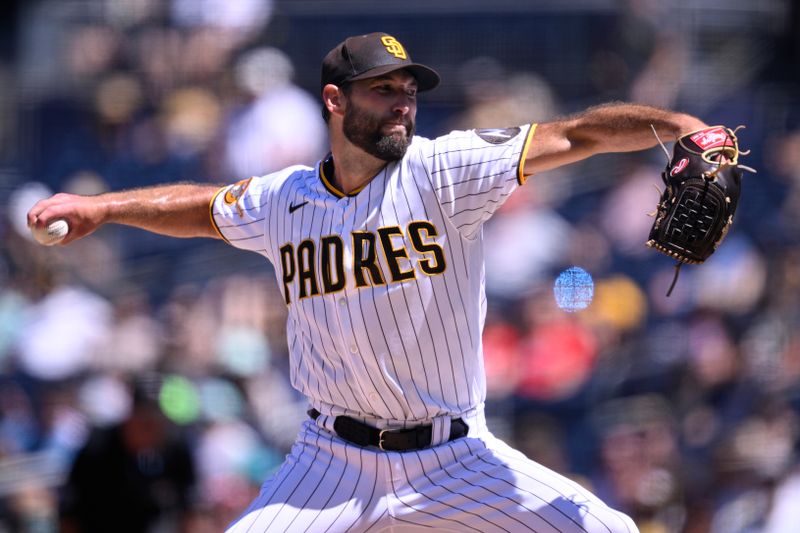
(353, 168)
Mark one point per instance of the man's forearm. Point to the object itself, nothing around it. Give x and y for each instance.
(619, 127)
(177, 210)
(613, 127)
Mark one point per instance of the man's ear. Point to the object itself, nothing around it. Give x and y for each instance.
(334, 99)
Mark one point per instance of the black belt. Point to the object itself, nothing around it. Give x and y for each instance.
(400, 440)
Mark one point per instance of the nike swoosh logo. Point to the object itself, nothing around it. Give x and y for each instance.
(295, 207)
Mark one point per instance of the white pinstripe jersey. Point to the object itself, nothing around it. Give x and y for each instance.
(384, 286)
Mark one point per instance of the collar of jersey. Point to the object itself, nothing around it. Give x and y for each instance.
(326, 167)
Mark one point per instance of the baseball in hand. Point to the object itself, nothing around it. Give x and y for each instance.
(51, 234)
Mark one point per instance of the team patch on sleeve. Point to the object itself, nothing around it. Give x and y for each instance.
(235, 193)
(497, 135)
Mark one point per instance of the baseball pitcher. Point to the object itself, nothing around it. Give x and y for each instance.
(378, 253)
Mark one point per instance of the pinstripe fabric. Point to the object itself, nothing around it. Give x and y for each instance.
(386, 305)
(473, 484)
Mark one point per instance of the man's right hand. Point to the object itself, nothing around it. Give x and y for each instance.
(84, 214)
(176, 210)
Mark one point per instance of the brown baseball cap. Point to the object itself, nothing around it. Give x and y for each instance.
(371, 55)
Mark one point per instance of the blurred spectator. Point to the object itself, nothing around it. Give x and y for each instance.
(639, 458)
(190, 118)
(624, 211)
(64, 331)
(784, 514)
(643, 56)
(495, 98)
(243, 17)
(547, 378)
(784, 159)
(501, 355)
(19, 427)
(232, 461)
(134, 344)
(734, 278)
(135, 476)
(281, 125)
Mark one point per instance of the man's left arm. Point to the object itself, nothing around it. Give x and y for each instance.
(616, 127)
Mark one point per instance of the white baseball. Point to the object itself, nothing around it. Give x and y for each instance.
(52, 234)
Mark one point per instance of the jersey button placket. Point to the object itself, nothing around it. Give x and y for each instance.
(348, 342)
(345, 206)
(350, 350)
(347, 339)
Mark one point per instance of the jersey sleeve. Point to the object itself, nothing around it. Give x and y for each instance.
(473, 172)
(239, 212)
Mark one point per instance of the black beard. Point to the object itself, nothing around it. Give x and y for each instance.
(364, 130)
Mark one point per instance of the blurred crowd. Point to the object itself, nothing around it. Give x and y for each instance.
(144, 380)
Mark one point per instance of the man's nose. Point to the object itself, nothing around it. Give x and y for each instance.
(402, 104)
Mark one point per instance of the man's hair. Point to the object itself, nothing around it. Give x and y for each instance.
(345, 87)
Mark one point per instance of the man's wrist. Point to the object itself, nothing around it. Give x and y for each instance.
(688, 124)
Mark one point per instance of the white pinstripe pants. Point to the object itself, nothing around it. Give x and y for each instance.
(477, 483)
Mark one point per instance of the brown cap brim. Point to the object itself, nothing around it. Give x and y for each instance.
(426, 77)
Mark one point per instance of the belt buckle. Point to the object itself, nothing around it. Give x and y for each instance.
(380, 440)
